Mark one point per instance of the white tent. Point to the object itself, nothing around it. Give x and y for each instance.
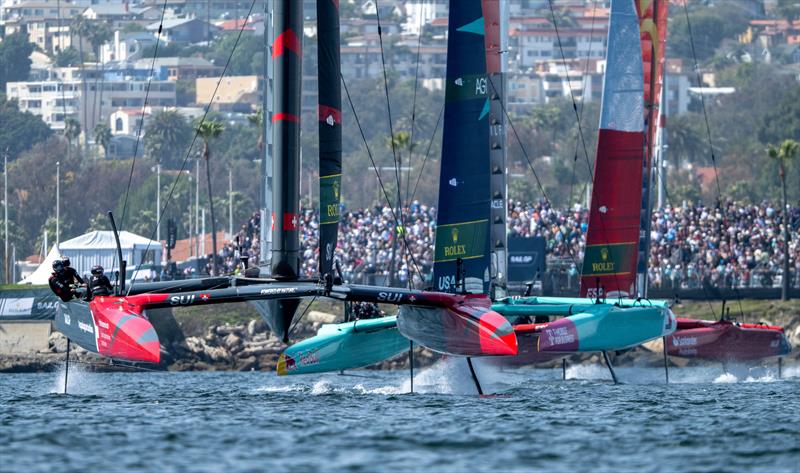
(100, 247)
(42, 273)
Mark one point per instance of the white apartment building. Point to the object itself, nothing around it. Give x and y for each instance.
(89, 104)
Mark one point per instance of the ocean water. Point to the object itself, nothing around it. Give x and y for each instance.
(705, 420)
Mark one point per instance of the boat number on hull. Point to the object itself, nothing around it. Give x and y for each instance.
(182, 300)
(390, 296)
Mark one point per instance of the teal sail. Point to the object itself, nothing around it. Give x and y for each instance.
(462, 224)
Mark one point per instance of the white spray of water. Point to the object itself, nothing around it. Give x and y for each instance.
(78, 381)
(725, 378)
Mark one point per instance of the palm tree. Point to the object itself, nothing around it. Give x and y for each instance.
(72, 130)
(257, 120)
(102, 136)
(785, 153)
(166, 135)
(684, 138)
(83, 28)
(99, 35)
(207, 130)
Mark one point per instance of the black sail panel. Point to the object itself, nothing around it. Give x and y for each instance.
(462, 231)
(330, 130)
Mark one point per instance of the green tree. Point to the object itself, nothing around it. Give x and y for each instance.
(784, 154)
(257, 120)
(102, 137)
(185, 91)
(72, 130)
(15, 61)
(783, 121)
(67, 57)
(82, 27)
(685, 139)
(208, 130)
(99, 35)
(247, 59)
(167, 137)
(710, 26)
(20, 130)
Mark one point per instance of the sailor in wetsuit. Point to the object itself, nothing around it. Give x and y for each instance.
(60, 282)
(71, 273)
(99, 285)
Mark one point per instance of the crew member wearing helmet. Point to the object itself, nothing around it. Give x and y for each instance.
(99, 284)
(60, 282)
(71, 273)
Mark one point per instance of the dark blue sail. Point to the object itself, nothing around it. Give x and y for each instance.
(462, 225)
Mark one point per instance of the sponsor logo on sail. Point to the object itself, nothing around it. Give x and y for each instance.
(455, 249)
(604, 266)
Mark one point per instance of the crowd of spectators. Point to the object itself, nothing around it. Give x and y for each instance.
(731, 246)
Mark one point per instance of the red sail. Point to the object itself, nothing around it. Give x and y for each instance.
(609, 264)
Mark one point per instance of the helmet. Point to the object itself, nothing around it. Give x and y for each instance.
(65, 260)
(58, 265)
(97, 270)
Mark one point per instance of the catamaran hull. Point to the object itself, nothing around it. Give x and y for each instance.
(108, 330)
(727, 342)
(528, 354)
(607, 329)
(345, 346)
(464, 330)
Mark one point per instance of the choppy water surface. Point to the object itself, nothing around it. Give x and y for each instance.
(706, 420)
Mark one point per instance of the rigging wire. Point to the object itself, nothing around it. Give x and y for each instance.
(194, 138)
(703, 103)
(696, 67)
(141, 120)
(589, 165)
(302, 314)
(399, 226)
(530, 165)
(569, 87)
(427, 154)
(583, 100)
(388, 105)
(414, 110)
(378, 175)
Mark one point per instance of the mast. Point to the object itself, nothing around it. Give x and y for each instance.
(330, 130)
(462, 223)
(609, 264)
(265, 232)
(496, 41)
(287, 59)
(653, 27)
(661, 147)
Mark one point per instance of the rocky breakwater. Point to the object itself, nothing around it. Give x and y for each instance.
(241, 347)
